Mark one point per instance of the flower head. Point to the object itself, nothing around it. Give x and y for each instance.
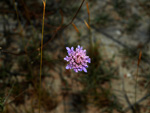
(77, 59)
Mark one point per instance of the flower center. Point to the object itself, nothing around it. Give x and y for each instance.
(79, 59)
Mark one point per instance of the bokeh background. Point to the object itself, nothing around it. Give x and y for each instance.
(116, 35)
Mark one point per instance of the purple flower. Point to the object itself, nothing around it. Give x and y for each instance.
(77, 59)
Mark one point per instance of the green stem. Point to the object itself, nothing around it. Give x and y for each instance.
(44, 4)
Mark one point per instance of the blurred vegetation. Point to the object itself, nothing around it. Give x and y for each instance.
(102, 19)
(120, 6)
(97, 83)
(20, 36)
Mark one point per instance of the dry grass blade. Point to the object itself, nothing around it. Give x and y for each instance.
(75, 27)
(87, 25)
(140, 55)
(87, 6)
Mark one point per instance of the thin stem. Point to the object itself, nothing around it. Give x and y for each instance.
(9, 94)
(136, 79)
(20, 26)
(17, 13)
(44, 4)
(90, 32)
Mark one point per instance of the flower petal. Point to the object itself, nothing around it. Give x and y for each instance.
(79, 69)
(84, 69)
(66, 58)
(72, 48)
(68, 49)
(79, 46)
(68, 66)
(76, 70)
(89, 60)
